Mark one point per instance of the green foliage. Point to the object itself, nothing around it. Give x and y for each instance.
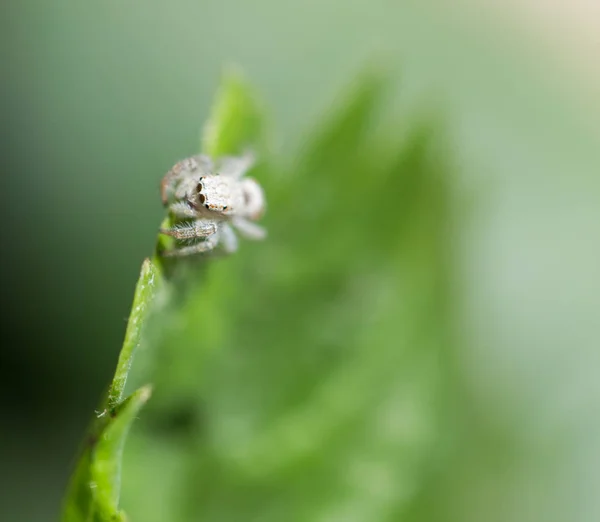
(301, 379)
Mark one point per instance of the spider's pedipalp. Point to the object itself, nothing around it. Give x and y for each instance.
(183, 210)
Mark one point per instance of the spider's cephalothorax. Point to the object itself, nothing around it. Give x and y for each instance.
(207, 199)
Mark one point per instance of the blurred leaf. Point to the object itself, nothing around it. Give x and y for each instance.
(236, 121)
(300, 379)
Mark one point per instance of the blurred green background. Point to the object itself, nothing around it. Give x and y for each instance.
(99, 100)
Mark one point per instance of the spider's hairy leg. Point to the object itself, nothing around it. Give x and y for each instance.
(203, 246)
(248, 229)
(228, 238)
(236, 166)
(170, 181)
(200, 165)
(183, 209)
(192, 230)
(187, 185)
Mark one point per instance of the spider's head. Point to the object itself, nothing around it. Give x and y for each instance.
(218, 194)
(254, 202)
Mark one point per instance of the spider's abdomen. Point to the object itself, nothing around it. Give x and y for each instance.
(254, 199)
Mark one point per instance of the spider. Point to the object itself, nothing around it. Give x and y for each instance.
(208, 199)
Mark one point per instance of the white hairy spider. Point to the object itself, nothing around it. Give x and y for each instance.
(208, 199)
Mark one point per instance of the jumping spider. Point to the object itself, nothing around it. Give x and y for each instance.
(209, 199)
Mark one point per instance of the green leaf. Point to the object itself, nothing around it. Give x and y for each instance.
(95, 486)
(94, 490)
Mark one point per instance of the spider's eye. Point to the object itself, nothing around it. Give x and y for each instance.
(200, 188)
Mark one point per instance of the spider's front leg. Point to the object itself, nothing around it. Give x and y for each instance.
(199, 229)
(192, 230)
(203, 246)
